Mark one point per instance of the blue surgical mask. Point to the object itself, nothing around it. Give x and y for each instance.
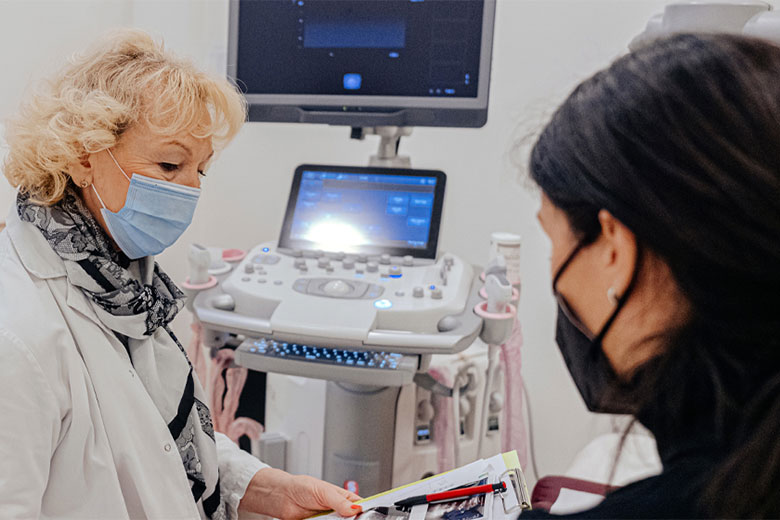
(154, 216)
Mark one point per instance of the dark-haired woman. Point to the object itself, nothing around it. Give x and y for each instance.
(661, 196)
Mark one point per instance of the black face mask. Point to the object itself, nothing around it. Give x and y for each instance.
(596, 381)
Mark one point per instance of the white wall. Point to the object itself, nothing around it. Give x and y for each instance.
(542, 50)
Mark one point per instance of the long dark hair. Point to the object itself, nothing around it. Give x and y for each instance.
(680, 141)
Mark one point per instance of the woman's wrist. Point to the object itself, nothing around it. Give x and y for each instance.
(265, 493)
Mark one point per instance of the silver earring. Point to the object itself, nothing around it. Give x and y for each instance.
(84, 184)
(612, 296)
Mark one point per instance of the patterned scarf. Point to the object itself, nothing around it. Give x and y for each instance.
(137, 302)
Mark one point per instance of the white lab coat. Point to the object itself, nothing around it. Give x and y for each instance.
(79, 435)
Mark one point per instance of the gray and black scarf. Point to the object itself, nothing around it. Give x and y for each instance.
(137, 300)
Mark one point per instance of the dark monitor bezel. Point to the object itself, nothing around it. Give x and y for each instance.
(438, 206)
(365, 111)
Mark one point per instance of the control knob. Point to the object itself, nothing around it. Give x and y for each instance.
(425, 411)
(496, 402)
(224, 302)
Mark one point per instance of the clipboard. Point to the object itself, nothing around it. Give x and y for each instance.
(514, 499)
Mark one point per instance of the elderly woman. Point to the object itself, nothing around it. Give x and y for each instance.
(102, 414)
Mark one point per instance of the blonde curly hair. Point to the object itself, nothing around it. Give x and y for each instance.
(125, 79)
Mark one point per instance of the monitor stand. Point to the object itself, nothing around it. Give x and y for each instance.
(389, 139)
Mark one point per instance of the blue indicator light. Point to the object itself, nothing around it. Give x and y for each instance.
(383, 304)
(396, 275)
(449, 90)
(265, 250)
(433, 287)
(393, 54)
(352, 81)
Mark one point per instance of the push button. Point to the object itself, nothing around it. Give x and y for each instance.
(301, 285)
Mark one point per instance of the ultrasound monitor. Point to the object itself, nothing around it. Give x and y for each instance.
(364, 210)
(363, 63)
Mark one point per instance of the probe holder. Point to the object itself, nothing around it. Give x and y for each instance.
(496, 327)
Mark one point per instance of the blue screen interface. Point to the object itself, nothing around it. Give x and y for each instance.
(343, 211)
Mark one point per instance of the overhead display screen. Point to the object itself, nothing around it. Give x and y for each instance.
(415, 48)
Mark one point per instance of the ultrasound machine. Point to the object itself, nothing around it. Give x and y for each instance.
(355, 294)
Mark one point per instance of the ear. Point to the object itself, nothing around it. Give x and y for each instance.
(82, 170)
(620, 252)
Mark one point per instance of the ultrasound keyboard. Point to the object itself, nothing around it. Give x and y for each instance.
(356, 366)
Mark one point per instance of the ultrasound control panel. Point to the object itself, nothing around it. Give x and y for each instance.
(350, 285)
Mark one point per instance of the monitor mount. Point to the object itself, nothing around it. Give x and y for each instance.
(389, 140)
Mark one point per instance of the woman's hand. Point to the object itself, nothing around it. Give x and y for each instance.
(278, 494)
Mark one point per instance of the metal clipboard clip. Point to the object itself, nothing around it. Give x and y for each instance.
(518, 486)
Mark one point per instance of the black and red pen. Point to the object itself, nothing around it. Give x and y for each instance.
(452, 494)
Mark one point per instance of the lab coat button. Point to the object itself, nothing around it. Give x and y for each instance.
(167, 447)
